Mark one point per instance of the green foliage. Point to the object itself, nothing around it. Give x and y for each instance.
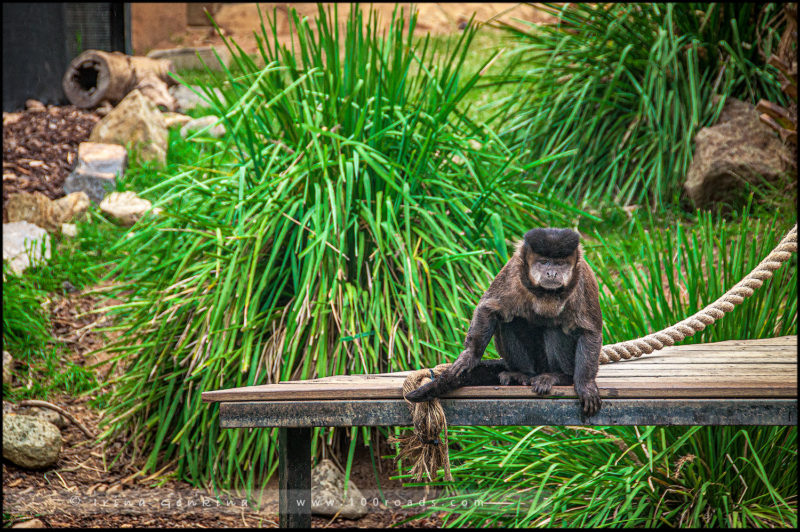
(347, 224)
(661, 275)
(648, 476)
(26, 326)
(628, 86)
(623, 477)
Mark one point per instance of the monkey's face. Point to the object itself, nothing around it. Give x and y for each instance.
(550, 273)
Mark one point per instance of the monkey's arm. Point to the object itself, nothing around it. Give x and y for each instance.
(587, 360)
(486, 373)
(481, 330)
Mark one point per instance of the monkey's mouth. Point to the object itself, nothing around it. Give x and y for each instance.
(550, 284)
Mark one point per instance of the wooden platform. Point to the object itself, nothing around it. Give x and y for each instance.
(750, 382)
(730, 383)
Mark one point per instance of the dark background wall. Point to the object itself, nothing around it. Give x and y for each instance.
(40, 39)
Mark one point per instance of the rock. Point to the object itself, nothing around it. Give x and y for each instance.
(40, 210)
(51, 416)
(30, 441)
(137, 122)
(125, 207)
(11, 118)
(22, 245)
(8, 364)
(187, 58)
(327, 490)
(738, 148)
(35, 105)
(187, 99)
(175, 119)
(104, 158)
(207, 123)
(32, 523)
(69, 230)
(99, 165)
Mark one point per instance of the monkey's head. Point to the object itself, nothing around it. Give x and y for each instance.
(550, 257)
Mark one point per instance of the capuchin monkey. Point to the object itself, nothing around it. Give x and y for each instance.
(543, 310)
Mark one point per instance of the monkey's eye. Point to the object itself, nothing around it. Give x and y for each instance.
(544, 262)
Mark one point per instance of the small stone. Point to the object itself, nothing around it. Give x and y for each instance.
(135, 122)
(30, 442)
(187, 99)
(207, 125)
(176, 119)
(33, 523)
(8, 364)
(11, 118)
(35, 105)
(104, 108)
(69, 230)
(187, 58)
(125, 207)
(40, 210)
(22, 245)
(327, 493)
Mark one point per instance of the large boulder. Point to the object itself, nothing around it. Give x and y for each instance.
(41, 211)
(22, 245)
(738, 149)
(327, 493)
(135, 122)
(30, 441)
(99, 166)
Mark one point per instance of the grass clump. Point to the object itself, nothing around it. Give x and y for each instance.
(345, 229)
(628, 86)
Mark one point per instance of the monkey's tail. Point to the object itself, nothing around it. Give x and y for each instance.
(426, 450)
(716, 310)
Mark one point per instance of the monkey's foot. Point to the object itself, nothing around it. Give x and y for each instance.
(509, 377)
(542, 384)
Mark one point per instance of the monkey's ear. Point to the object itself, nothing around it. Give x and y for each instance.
(551, 242)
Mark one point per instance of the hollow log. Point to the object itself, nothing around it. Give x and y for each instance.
(95, 76)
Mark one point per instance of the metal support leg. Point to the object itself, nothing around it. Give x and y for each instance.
(294, 477)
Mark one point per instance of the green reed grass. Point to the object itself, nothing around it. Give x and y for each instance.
(342, 226)
(628, 86)
(648, 476)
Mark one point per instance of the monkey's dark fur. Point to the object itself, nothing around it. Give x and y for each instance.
(543, 310)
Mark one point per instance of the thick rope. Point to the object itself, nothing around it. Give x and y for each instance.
(716, 310)
(428, 452)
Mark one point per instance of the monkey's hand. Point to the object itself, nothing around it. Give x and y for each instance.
(589, 396)
(465, 362)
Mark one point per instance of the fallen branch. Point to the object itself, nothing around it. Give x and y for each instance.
(51, 406)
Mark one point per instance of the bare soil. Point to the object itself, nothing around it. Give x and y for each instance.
(162, 25)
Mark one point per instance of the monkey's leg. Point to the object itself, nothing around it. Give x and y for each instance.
(542, 384)
(509, 377)
(486, 373)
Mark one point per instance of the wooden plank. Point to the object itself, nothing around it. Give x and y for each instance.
(294, 477)
(498, 412)
(766, 386)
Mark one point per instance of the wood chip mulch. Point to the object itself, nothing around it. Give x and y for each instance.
(40, 148)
